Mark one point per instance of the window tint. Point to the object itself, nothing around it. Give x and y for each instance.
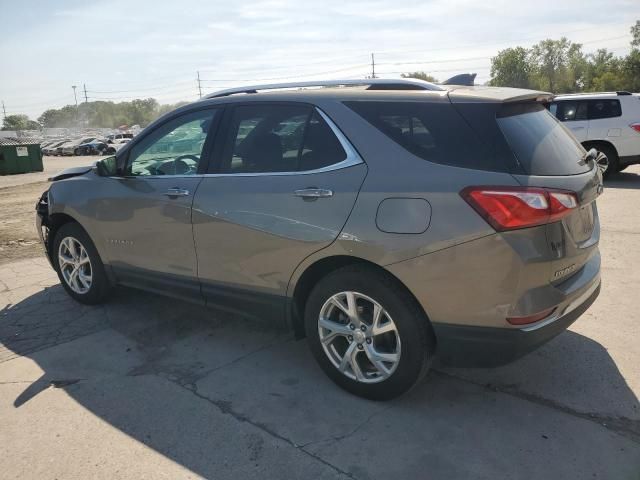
(571, 110)
(279, 138)
(174, 148)
(435, 132)
(605, 108)
(542, 145)
(321, 147)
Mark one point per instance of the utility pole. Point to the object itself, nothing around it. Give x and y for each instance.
(86, 100)
(76, 98)
(373, 66)
(4, 110)
(199, 85)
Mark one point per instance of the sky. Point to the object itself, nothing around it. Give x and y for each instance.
(125, 49)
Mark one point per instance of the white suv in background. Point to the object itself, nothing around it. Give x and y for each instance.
(608, 122)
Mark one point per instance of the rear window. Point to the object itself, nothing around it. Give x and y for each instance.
(432, 131)
(542, 145)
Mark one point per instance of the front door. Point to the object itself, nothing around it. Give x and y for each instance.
(147, 214)
(284, 187)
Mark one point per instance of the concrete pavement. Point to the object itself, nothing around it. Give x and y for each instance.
(149, 387)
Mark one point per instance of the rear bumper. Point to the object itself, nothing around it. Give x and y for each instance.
(469, 346)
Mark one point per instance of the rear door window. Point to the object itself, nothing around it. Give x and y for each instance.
(434, 132)
(604, 108)
(266, 138)
(542, 145)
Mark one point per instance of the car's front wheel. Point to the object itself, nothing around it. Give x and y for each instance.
(79, 266)
(367, 333)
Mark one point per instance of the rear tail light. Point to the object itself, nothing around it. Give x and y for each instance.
(536, 317)
(636, 127)
(510, 208)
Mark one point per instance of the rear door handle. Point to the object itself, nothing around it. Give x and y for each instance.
(177, 192)
(313, 193)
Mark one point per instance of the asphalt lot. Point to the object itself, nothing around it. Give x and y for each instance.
(149, 387)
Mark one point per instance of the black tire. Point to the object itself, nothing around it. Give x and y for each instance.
(100, 287)
(414, 331)
(612, 156)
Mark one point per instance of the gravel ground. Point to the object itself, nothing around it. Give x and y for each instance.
(18, 196)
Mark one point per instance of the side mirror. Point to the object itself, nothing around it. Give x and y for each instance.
(107, 167)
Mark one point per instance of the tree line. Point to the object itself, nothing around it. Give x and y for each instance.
(560, 66)
(99, 114)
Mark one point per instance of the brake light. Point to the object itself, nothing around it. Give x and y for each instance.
(510, 208)
(636, 127)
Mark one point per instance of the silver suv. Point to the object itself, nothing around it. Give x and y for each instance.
(385, 220)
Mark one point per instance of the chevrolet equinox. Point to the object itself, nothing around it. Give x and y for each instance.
(385, 220)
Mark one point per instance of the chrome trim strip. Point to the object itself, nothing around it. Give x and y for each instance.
(568, 309)
(420, 84)
(353, 158)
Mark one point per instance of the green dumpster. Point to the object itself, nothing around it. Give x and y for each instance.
(19, 155)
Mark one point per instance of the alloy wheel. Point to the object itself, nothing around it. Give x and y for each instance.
(75, 265)
(359, 337)
(603, 162)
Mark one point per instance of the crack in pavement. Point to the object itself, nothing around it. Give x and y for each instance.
(624, 426)
(225, 408)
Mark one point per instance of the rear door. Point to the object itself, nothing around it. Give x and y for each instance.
(283, 187)
(604, 119)
(552, 159)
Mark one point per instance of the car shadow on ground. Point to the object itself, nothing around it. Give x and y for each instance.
(195, 386)
(626, 180)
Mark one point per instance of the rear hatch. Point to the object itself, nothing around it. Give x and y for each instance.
(543, 154)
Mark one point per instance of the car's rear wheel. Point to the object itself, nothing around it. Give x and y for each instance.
(367, 333)
(79, 266)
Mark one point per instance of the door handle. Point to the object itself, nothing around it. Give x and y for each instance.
(177, 192)
(313, 193)
(577, 128)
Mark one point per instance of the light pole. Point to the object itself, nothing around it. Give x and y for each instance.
(76, 99)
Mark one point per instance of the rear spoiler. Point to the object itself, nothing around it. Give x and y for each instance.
(467, 79)
(480, 94)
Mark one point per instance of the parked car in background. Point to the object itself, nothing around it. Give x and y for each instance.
(387, 222)
(114, 146)
(52, 148)
(71, 148)
(608, 122)
(95, 147)
(120, 136)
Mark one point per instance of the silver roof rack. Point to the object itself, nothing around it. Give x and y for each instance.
(372, 83)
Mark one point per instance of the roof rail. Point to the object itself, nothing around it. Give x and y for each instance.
(373, 84)
(623, 92)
